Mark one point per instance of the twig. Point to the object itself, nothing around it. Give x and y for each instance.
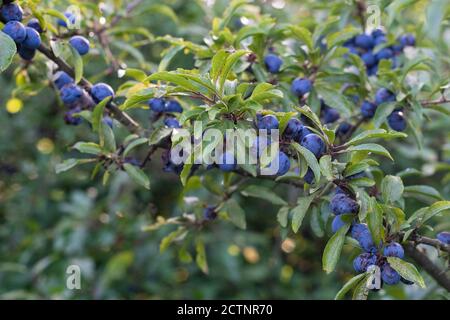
(434, 271)
(418, 239)
(442, 100)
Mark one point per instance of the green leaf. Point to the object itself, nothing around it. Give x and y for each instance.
(375, 221)
(391, 189)
(361, 291)
(371, 147)
(382, 112)
(97, 114)
(134, 144)
(349, 285)
(282, 216)
(335, 99)
(217, 64)
(136, 74)
(107, 138)
(299, 212)
(70, 163)
(265, 91)
(263, 193)
(8, 51)
(88, 147)
(235, 213)
(377, 133)
(341, 36)
(137, 175)
(200, 257)
(406, 270)
(423, 193)
(326, 167)
(333, 249)
(180, 233)
(228, 66)
(77, 64)
(159, 134)
(310, 158)
(354, 168)
(302, 34)
(174, 77)
(435, 209)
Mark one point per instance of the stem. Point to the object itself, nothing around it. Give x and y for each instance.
(442, 100)
(434, 271)
(418, 239)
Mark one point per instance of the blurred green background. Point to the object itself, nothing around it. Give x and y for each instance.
(49, 221)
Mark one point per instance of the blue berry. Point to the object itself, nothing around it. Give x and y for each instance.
(101, 91)
(394, 249)
(71, 118)
(32, 40)
(309, 176)
(364, 41)
(366, 242)
(377, 33)
(81, 44)
(301, 86)
(329, 115)
(385, 53)
(342, 203)
(268, 122)
(407, 40)
(284, 164)
(61, 78)
(210, 213)
(396, 120)
(379, 40)
(372, 71)
(157, 104)
(343, 129)
(293, 128)
(363, 261)
(34, 23)
(389, 275)
(337, 224)
(384, 95)
(444, 237)
(16, 31)
(315, 144)
(273, 63)
(397, 48)
(71, 93)
(369, 59)
(12, 12)
(172, 123)
(70, 17)
(26, 53)
(173, 106)
(368, 109)
(229, 162)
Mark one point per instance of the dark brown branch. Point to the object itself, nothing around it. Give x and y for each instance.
(118, 114)
(418, 239)
(434, 102)
(423, 261)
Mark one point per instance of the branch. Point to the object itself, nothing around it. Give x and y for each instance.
(434, 271)
(119, 115)
(442, 100)
(418, 239)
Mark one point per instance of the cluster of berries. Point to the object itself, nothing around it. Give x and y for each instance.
(373, 48)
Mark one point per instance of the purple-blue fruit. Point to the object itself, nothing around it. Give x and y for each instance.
(385, 53)
(377, 33)
(81, 44)
(284, 164)
(301, 86)
(309, 176)
(358, 229)
(407, 40)
(172, 123)
(71, 117)
(315, 144)
(444, 237)
(397, 48)
(389, 275)
(101, 91)
(32, 40)
(26, 53)
(12, 12)
(70, 17)
(343, 129)
(228, 162)
(363, 261)
(397, 121)
(379, 40)
(394, 249)
(210, 213)
(330, 115)
(273, 63)
(34, 23)
(342, 203)
(108, 121)
(368, 109)
(61, 78)
(364, 41)
(384, 95)
(372, 71)
(369, 59)
(173, 106)
(366, 242)
(268, 122)
(15, 30)
(337, 224)
(157, 104)
(71, 93)
(293, 128)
